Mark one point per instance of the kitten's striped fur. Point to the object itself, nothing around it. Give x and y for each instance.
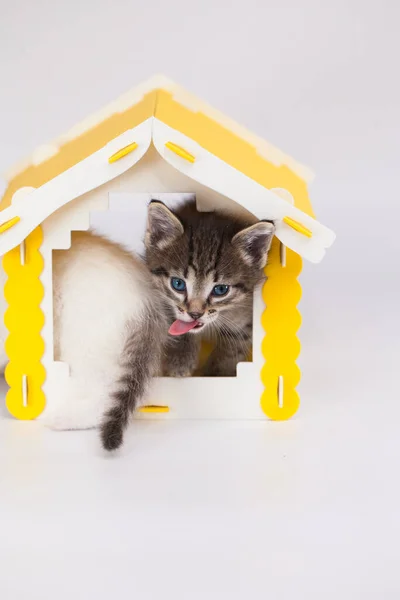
(141, 360)
(112, 312)
(204, 249)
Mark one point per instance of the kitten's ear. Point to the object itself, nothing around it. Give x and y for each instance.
(254, 242)
(163, 227)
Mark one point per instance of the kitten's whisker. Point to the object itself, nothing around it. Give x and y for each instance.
(232, 330)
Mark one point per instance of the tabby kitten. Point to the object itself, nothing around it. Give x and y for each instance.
(112, 312)
(206, 265)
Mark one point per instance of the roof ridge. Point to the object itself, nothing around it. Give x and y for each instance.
(187, 99)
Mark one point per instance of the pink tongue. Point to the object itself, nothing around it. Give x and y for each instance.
(181, 327)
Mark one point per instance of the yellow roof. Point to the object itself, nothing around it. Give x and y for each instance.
(183, 112)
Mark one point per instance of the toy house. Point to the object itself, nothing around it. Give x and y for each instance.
(157, 139)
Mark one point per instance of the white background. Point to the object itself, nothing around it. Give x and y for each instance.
(304, 509)
(125, 221)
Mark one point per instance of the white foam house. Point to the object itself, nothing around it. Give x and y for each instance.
(158, 139)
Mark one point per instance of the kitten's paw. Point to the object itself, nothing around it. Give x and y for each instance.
(68, 423)
(67, 417)
(179, 372)
(218, 371)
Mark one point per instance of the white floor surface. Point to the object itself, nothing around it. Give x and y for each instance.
(298, 510)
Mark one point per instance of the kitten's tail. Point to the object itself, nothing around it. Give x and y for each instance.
(141, 357)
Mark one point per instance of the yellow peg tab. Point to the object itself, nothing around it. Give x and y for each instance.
(180, 152)
(123, 152)
(9, 224)
(152, 408)
(297, 226)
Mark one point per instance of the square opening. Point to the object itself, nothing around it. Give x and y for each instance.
(124, 222)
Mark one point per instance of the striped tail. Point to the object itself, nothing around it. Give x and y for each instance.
(140, 361)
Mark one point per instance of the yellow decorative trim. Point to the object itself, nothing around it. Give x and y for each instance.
(180, 151)
(297, 226)
(123, 152)
(280, 347)
(151, 408)
(24, 320)
(210, 134)
(231, 148)
(9, 224)
(73, 151)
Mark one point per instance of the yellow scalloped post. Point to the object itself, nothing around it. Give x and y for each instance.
(281, 347)
(24, 320)
(180, 151)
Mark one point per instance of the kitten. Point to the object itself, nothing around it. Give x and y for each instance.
(111, 314)
(206, 265)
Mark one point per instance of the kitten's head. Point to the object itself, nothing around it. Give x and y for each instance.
(205, 263)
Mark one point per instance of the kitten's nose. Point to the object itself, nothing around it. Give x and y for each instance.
(196, 315)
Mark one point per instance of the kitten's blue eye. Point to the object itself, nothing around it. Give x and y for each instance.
(220, 290)
(178, 284)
